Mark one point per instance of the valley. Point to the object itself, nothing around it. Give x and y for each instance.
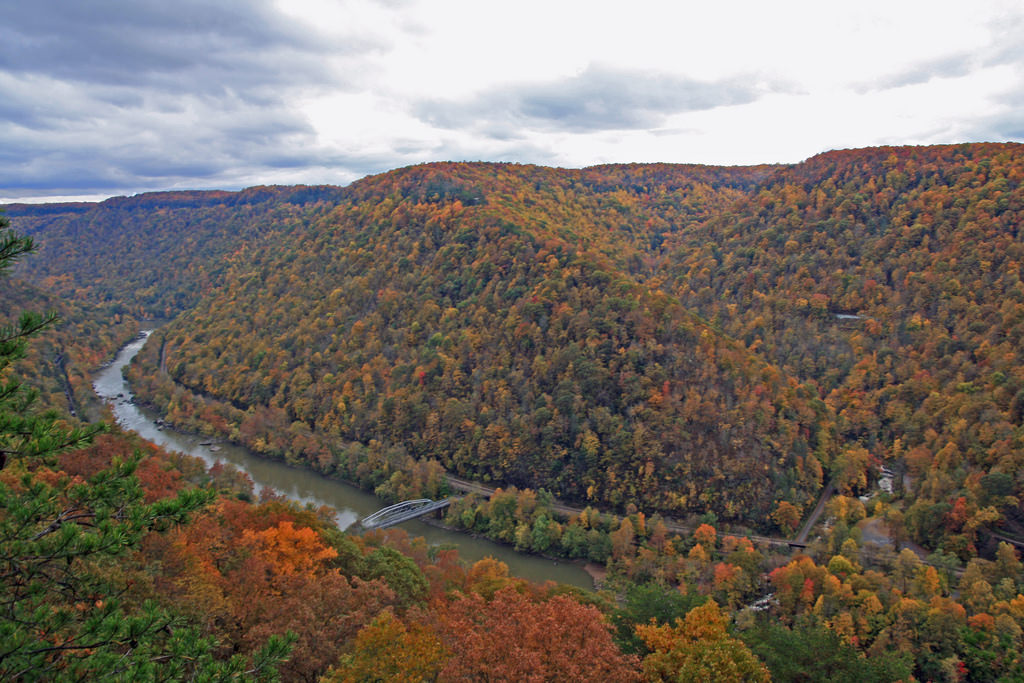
(307, 488)
(665, 370)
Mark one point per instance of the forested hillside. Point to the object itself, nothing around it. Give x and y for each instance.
(891, 279)
(61, 362)
(685, 338)
(153, 255)
(485, 316)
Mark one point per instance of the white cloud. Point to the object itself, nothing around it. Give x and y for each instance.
(245, 91)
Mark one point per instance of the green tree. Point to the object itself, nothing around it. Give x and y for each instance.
(399, 572)
(811, 652)
(60, 616)
(649, 603)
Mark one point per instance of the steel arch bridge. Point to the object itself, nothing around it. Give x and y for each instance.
(402, 512)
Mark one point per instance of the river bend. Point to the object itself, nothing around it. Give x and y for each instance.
(306, 486)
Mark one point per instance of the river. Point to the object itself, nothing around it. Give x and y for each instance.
(306, 486)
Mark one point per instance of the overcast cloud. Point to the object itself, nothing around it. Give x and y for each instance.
(99, 98)
(598, 99)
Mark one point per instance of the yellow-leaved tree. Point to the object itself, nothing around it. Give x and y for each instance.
(699, 648)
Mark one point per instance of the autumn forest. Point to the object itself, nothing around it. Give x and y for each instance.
(663, 371)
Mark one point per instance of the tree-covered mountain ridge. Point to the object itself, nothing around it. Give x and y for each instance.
(492, 318)
(153, 254)
(686, 338)
(891, 278)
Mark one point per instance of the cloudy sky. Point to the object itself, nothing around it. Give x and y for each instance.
(109, 97)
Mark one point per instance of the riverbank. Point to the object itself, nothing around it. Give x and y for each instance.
(596, 572)
(305, 486)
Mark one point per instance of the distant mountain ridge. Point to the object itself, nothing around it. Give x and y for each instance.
(153, 253)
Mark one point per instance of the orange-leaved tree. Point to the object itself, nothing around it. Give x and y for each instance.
(555, 639)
